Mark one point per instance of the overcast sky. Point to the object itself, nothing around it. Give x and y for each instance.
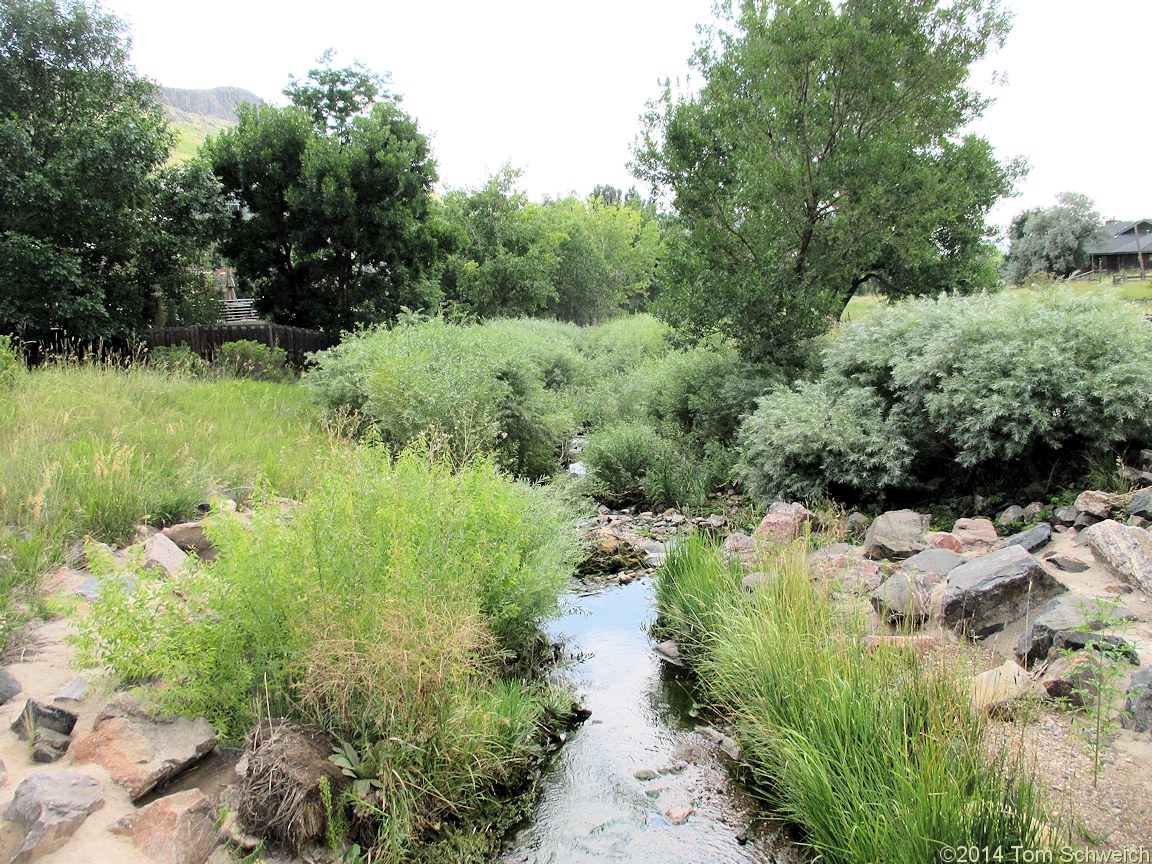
(557, 89)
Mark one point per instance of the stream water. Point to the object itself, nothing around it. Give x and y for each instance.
(637, 782)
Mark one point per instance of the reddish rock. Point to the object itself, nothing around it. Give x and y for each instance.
(945, 540)
(975, 535)
(1100, 504)
(861, 578)
(678, 815)
(740, 546)
(783, 523)
(139, 750)
(179, 829)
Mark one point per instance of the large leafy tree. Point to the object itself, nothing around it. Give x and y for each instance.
(824, 150)
(334, 222)
(89, 246)
(1053, 239)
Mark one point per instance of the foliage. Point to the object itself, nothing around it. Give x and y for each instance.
(176, 360)
(823, 152)
(1004, 386)
(1053, 239)
(334, 226)
(95, 239)
(11, 364)
(248, 359)
(470, 388)
(876, 756)
(379, 611)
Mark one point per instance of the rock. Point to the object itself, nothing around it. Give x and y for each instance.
(861, 578)
(1034, 512)
(90, 588)
(1085, 520)
(1115, 647)
(75, 691)
(856, 526)
(755, 582)
(162, 555)
(1139, 522)
(1030, 539)
(715, 522)
(678, 815)
(49, 745)
(280, 796)
(669, 651)
(1067, 563)
(40, 715)
(1061, 625)
(1138, 709)
(645, 774)
(609, 554)
(984, 595)
(191, 537)
(783, 523)
(993, 691)
(740, 546)
(1099, 504)
(905, 596)
(940, 562)
(9, 686)
(945, 540)
(1125, 551)
(1071, 679)
(51, 806)
(976, 535)
(178, 829)
(896, 535)
(1010, 515)
(1141, 504)
(1065, 515)
(142, 751)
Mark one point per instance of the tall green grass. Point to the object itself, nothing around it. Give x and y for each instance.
(88, 450)
(877, 756)
(388, 610)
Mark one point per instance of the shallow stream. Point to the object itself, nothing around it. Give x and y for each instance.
(637, 782)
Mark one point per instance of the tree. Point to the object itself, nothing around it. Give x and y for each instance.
(334, 225)
(823, 152)
(86, 246)
(1053, 239)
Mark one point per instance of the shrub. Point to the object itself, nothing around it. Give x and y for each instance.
(176, 359)
(248, 359)
(1001, 386)
(11, 364)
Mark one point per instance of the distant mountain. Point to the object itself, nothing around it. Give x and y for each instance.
(219, 102)
(196, 114)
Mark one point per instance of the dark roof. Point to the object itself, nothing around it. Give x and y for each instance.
(1123, 238)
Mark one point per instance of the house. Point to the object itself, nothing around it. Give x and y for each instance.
(1126, 246)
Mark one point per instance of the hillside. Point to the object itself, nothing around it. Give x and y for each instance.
(196, 114)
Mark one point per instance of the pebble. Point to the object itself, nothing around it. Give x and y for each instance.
(645, 774)
(678, 815)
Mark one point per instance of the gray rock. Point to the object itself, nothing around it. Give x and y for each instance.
(984, 595)
(905, 596)
(1113, 646)
(856, 526)
(1065, 515)
(1034, 512)
(75, 691)
(51, 806)
(40, 715)
(896, 535)
(161, 554)
(9, 686)
(1060, 625)
(1141, 504)
(938, 561)
(1067, 563)
(49, 745)
(1139, 522)
(1030, 539)
(670, 652)
(1138, 710)
(1125, 551)
(1014, 513)
(92, 587)
(1146, 459)
(1085, 520)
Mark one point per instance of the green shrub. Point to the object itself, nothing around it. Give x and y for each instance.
(176, 359)
(383, 611)
(11, 364)
(258, 362)
(1000, 386)
(876, 755)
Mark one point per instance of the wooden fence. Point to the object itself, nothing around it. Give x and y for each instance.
(204, 339)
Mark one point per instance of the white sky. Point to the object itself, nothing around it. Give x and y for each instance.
(558, 88)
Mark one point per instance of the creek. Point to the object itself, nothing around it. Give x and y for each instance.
(640, 781)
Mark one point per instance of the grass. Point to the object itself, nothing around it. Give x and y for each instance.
(96, 451)
(877, 756)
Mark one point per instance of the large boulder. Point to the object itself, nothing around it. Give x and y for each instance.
(140, 750)
(50, 807)
(905, 596)
(976, 535)
(1125, 550)
(1099, 504)
(1141, 504)
(984, 595)
(941, 562)
(178, 829)
(1071, 623)
(783, 522)
(896, 535)
(191, 537)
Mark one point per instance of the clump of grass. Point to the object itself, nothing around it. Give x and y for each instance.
(877, 756)
(387, 611)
